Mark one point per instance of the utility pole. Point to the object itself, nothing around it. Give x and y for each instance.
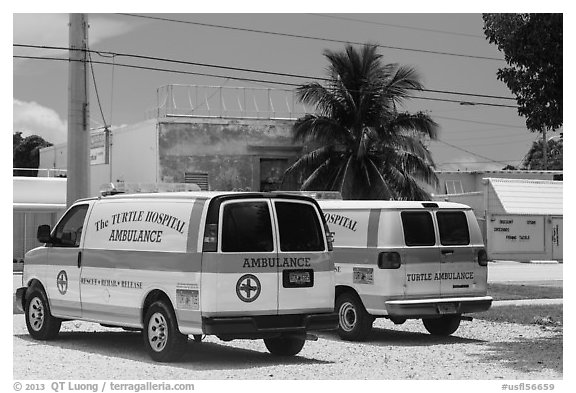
(545, 148)
(78, 182)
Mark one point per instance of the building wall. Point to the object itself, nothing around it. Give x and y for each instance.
(236, 154)
(472, 181)
(134, 154)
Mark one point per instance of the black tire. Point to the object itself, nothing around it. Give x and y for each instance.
(39, 320)
(443, 326)
(354, 322)
(197, 338)
(162, 339)
(285, 345)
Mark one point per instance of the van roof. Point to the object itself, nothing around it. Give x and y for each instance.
(203, 195)
(356, 204)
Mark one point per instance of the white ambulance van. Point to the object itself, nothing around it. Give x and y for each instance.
(234, 265)
(402, 260)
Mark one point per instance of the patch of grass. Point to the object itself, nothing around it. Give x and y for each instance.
(523, 291)
(548, 315)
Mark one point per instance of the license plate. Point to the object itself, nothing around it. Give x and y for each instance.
(447, 308)
(301, 278)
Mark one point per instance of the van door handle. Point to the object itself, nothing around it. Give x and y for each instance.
(447, 252)
(79, 258)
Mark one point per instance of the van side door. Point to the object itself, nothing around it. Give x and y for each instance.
(64, 257)
(305, 269)
(421, 256)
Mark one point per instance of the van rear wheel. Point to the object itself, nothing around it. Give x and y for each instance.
(285, 345)
(354, 322)
(162, 339)
(39, 321)
(443, 326)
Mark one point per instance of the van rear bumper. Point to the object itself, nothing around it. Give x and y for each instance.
(262, 326)
(433, 307)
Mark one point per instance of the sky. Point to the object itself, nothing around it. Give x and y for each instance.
(472, 137)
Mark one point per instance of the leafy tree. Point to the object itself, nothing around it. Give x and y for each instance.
(534, 160)
(26, 153)
(358, 142)
(532, 46)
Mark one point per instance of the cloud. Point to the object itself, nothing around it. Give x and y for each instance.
(34, 119)
(52, 30)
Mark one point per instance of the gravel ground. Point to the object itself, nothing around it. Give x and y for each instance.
(478, 350)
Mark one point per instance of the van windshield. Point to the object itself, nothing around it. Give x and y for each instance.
(453, 228)
(299, 227)
(246, 227)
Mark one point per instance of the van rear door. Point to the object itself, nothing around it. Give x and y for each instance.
(240, 277)
(305, 268)
(460, 272)
(422, 257)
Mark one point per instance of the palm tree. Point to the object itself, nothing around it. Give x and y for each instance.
(358, 143)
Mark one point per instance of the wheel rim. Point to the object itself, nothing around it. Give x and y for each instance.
(347, 316)
(157, 332)
(36, 314)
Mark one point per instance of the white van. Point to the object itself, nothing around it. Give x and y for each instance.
(234, 265)
(402, 260)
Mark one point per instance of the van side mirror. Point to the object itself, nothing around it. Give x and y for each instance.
(43, 234)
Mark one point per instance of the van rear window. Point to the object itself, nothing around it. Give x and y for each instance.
(299, 227)
(453, 228)
(418, 229)
(246, 227)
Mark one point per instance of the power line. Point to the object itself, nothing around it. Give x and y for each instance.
(469, 152)
(475, 162)
(96, 88)
(310, 37)
(480, 122)
(228, 77)
(400, 26)
(275, 74)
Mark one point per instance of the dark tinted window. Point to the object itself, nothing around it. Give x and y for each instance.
(418, 229)
(299, 227)
(453, 228)
(69, 229)
(246, 227)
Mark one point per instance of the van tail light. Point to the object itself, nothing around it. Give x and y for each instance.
(329, 237)
(330, 240)
(482, 258)
(210, 238)
(389, 260)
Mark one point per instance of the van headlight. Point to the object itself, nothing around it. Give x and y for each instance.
(389, 260)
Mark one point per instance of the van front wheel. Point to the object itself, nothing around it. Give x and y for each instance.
(39, 321)
(354, 322)
(443, 326)
(163, 341)
(285, 345)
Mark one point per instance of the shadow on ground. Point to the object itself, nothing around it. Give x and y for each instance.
(384, 337)
(526, 355)
(198, 356)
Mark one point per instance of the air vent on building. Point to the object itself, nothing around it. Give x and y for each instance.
(199, 178)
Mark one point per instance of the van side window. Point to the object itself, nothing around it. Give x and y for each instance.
(299, 227)
(453, 228)
(246, 227)
(69, 230)
(418, 229)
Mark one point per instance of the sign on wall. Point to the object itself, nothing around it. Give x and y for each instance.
(516, 233)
